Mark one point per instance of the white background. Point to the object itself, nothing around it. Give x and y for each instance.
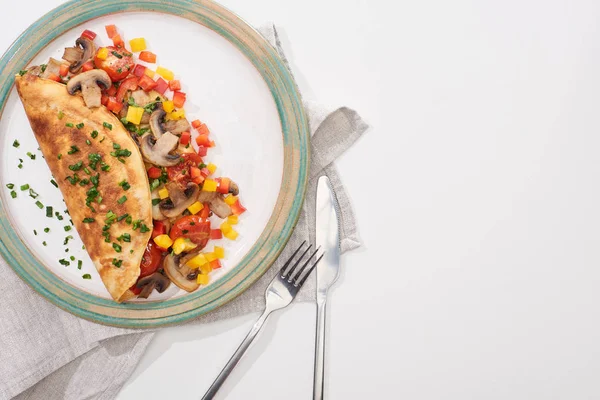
(476, 191)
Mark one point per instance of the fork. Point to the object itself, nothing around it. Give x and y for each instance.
(279, 294)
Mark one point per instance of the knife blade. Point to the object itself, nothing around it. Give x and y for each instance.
(328, 238)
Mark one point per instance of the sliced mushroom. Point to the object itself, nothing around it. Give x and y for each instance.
(156, 214)
(178, 199)
(177, 127)
(178, 272)
(233, 188)
(158, 151)
(156, 122)
(78, 56)
(141, 98)
(89, 83)
(216, 203)
(52, 68)
(155, 281)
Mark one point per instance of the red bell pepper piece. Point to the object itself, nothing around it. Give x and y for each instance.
(196, 123)
(205, 172)
(88, 66)
(111, 91)
(159, 229)
(185, 137)
(175, 85)
(179, 99)
(64, 70)
(202, 140)
(139, 70)
(216, 234)
(223, 187)
(196, 176)
(113, 105)
(202, 151)
(147, 83)
(203, 129)
(237, 208)
(118, 40)
(161, 86)
(111, 31)
(148, 56)
(104, 99)
(154, 172)
(54, 77)
(89, 34)
(127, 84)
(215, 264)
(204, 214)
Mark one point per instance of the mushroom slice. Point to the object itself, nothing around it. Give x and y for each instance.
(178, 199)
(89, 83)
(233, 188)
(52, 68)
(140, 97)
(78, 56)
(178, 273)
(216, 203)
(178, 126)
(156, 214)
(157, 151)
(156, 121)
(155, 281)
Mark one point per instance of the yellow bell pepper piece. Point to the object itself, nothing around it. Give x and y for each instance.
(210, 256)
(163, 241)
(183, 244)
(149, 73)
(232, 220)
(196, 207)
(137, 44)
(231, 235)
(165, 73)
(134, 115)
(168, 106)
(205, 269)
(231, 200)
(176, 115)
(219, 252)
(210, 185)
(163, 193)
(211, 167)
(197, 261)
(102, 54)
(202, 279)
(225, 227)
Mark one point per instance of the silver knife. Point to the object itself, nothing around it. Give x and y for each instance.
(328, 238)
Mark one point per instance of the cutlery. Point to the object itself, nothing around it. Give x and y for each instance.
(279, 294)
(327, 238)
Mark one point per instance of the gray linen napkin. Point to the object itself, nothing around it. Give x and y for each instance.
(47, 353)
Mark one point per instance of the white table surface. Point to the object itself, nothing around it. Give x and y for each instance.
(476, 191)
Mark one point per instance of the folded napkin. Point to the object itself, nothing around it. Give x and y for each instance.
(47, 353)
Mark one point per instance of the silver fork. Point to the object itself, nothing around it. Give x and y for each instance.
(279, 294)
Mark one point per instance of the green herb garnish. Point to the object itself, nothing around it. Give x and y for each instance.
(61, 114)
(30, 155)
(67, 241)
(69, 125)
(156, 201)
(122, 200)
(117, 263)
(64, 262)
(10, 185)
(46, 230)
(107, 126)
(52, 181)
(16, 144)
(94, 134)
(117, 247)
(24, 187)
(76, 166)
(88, 220)
(13, 194)
(33, 194)
(59, 156)
(74, 149)
(79, 264)
(49, 211)
(67, 228)
(114, 53)
(86, 276)
(80, 125)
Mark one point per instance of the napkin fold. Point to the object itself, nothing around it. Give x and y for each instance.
(47, 353)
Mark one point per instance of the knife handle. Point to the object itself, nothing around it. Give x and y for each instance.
(319, 381)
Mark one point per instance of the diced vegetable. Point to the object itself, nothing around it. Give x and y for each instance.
(237, 208)
(176, 115)
(168, 106)
(202, 140)
(158, 229)
(211, 168)
(196, 207)
(209, 185)
(118, 41)
(118, 63)
(196, 261)
(224, 185)
(139, 70)
(148, 57)
(179, 99)
(175, 85)
(102, 53)
(205, 172)
(137, 44)
(64, 70)
(148, 72)
(184, 139)
(183, 244)
(205, 269)
(216, 234)
(54, 77)
(147, 83)
(232, 220)
(128, 84)
(154, 172)
(215, 264)
(114, 105)
(111, 31)
(202, 279)
(219, 251)
(202, 151)
(135, 114)
(196, 176)
(163, 193)
(196, 123)
(161, 86)
(210, 256)
(231, 199)
(163, 241)
(88, 66)
(112, 90)
(165, 73)
(205, 213)
(203, 129)
(225, 227)
(231, 235)
(89, 34)
(104, 99)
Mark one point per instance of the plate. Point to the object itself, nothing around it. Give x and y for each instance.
(236, 83)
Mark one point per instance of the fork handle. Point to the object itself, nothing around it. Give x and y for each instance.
(234, 360)
(319, 381)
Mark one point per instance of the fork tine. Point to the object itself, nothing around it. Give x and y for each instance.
(290, 259)
(299, 284)
(296, 275)
(290, 272)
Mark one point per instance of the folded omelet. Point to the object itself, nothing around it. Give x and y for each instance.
(101, 175)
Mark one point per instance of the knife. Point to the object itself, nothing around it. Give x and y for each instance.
(328, 238)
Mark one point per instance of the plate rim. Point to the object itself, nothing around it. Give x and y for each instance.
(274, 237)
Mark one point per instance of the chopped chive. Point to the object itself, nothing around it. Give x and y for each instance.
(107, 126)
(128, 219)
(79, 264)
(116, 146)
(22, 72)
(102, 140)
(67, 228)
(35, 232)
(30, 155)
(144, 228)
(122, 217)
(117, 263)
(43, 67)
(10, 185)
(122, 200)
(59, 156)
(69, 125)
(72, 258)
(64, 262)
(24, 187)
(110, 217)
(13, 194)
(58, 216)
(136, 224)
(61, 114)
(67, 240)
(66, 250)
(44, 243)
(74, 149)
(33, 194)
(39, 204)
(46, 230)
(155, 183)
(16, 143)
(105, 167)
(155, 202)
(20, 166)
(49, 211)
(114, 53)
(117, 247)
(52, 181)
(95, 179)
(131, 251)
(94, 134)
(80, 125)
(87, 141)
(86, 276)
(88, 220)
(77, 166)
(87, 171)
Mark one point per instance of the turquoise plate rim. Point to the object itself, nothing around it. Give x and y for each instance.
(273, 239)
